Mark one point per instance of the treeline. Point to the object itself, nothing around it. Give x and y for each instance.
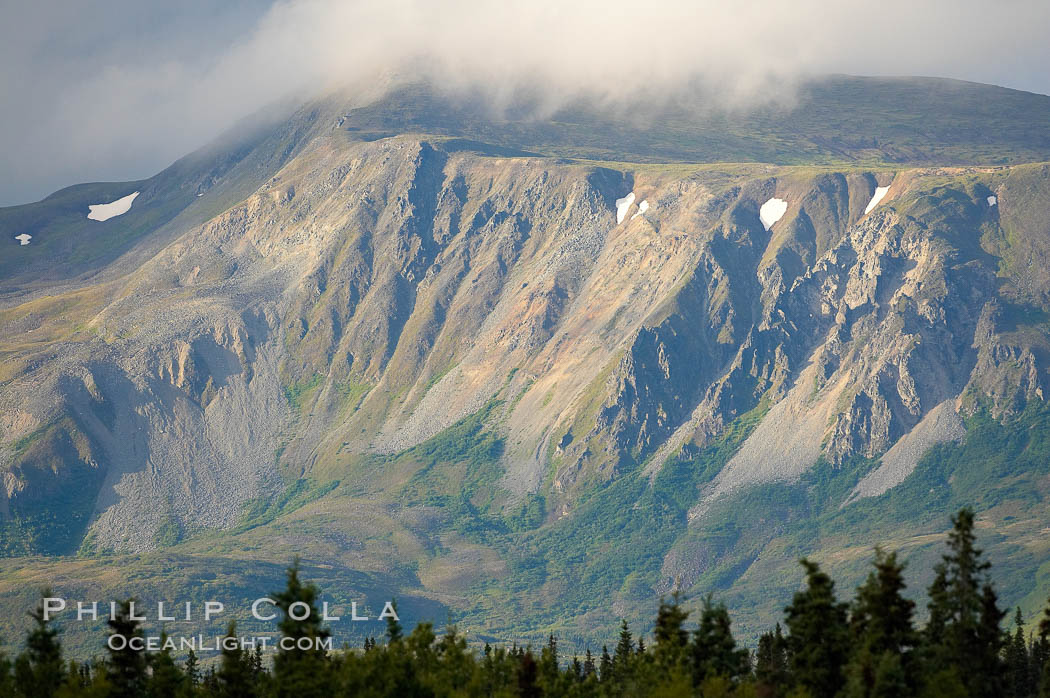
(870, 647)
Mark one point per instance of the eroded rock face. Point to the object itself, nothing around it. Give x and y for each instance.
(372, 294)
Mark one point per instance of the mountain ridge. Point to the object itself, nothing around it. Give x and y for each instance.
(450, 367)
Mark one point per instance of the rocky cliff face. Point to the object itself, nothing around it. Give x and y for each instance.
(372, 294)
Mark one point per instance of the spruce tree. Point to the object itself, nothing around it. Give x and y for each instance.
(166, 680)
(1039, 652)
(819, 634)
(257, 663)
(771, 663)
(934, 635)
(454, 653)
(549, 676)
(394, 632)
(990, 643)
(7, 680)
(671, 641)
(1041, 655)
(881, 632)
(963, 637)
(1044, 680)
(622, 666)
(126, 665)
(713, 649)
(605, 665)
(525, 677)
(192, 669)
(881, 617)
(300, 671)
(576, 669)
(235, 677)
(624, 646)
(1017, 661)
(209, 684)
(39, 670)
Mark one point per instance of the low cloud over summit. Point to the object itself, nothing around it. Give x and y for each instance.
(119, 91)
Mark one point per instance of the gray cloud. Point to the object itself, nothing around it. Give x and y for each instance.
(119, 90)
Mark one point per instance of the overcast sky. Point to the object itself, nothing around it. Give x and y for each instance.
(117, 90)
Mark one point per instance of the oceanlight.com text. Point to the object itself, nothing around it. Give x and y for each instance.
(217, 643)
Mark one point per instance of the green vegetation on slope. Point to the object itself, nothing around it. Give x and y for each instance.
(826, 648)
(617, 535)
(42, 515)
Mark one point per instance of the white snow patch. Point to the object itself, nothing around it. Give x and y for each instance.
(622, 205)
(642, 208)
(23, 239)
(103, 212)
(992, 201)
(875, 199)
(772, 211)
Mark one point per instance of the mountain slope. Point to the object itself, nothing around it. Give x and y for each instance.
(459, 370)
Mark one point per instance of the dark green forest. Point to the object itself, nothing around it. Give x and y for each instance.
(825, 647)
